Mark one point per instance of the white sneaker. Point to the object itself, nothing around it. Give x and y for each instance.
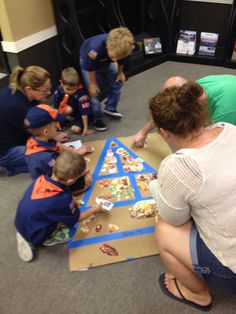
(113, 113)
(25, 251)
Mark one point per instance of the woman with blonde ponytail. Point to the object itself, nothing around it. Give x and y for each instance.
(28, 86)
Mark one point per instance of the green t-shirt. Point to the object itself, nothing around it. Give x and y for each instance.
(221, 95)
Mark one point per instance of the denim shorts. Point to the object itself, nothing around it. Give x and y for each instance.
(208, 267)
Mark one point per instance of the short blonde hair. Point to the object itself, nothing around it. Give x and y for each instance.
(69, 165)
(70, 76)
(32, 76)
(120, 41)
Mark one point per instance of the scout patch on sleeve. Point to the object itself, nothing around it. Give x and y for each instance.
(92, 54)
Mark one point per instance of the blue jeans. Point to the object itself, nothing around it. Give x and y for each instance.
(14, 161)
(208, 267)
(114, 89)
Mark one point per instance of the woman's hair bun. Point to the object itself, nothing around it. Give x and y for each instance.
(188, 95)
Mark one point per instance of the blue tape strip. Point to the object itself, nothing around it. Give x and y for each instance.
(121, 172)
(111, 237)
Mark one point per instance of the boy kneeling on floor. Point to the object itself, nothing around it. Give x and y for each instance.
(47, 209)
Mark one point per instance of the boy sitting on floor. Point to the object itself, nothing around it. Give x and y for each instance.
(71, 99)
(42, 150)
(47, 209)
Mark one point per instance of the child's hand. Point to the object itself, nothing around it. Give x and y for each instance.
(121, 77)
(93, 90)
(100, 209)
(62, 137)
(84, 149)
(87, 132)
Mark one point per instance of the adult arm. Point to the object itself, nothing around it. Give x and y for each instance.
(140, 136)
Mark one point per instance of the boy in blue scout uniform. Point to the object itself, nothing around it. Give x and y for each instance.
(97, 54)
(42, 150)
(47, 209)
(71, 99)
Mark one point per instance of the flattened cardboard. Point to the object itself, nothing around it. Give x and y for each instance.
(128, 248)
(135, 237)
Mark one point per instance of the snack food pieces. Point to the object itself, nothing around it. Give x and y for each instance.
(115, 189)
(129, 163)
(112, 228)
(109, 250)
(98, 227)
(143, 180)
(144, 209)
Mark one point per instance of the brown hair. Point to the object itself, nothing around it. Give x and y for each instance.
(120, 41)
(69, 165)
(32, 76)
(178, 109)
(70, 76)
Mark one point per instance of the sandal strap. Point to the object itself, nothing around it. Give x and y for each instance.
(178, 288)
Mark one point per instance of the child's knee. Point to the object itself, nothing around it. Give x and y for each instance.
(75, 129)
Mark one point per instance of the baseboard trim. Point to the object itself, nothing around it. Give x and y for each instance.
(29, 41)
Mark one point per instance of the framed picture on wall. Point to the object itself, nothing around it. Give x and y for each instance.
(152, 45)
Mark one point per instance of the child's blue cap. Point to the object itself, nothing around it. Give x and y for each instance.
(42, 115)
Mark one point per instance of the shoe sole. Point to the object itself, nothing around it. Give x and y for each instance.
(25, 252)
(101, 129)
(56, 243)
(114, 115)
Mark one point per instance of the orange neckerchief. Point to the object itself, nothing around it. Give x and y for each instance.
(33, 147)
(64, 102)
(44, 189)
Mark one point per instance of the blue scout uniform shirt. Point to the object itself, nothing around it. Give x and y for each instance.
(79, 101)
(41, 156)
(13, 109)
(44, 204)
(96, 44)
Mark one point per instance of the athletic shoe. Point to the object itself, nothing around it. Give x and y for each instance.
(100, 125)
(113, 113)
(61, 236)
(24, 249)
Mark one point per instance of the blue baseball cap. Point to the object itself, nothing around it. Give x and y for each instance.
(42, 115)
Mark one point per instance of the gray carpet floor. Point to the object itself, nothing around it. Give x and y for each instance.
(47, 286)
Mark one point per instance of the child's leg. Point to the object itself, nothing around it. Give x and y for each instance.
(14, 161)
(75, 129)
(25, 250)
(59, 236)
(115, 87)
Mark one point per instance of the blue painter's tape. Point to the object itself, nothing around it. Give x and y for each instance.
(111, 237)
(130, 258)
(137, 195)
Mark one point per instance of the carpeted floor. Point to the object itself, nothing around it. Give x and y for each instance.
(47, 286)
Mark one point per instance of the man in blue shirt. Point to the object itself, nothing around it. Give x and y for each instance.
(99, 54)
